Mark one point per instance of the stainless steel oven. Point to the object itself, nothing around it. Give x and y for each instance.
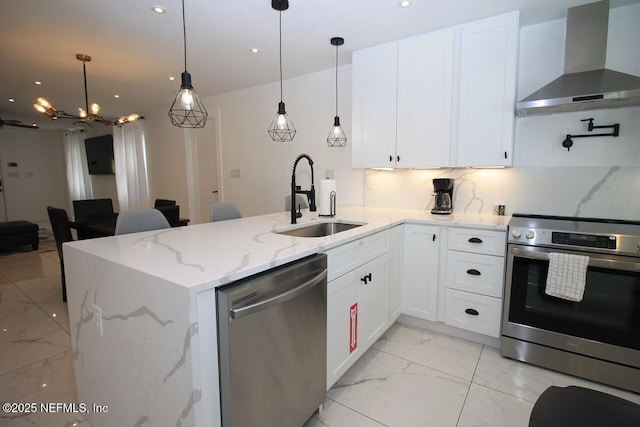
(597, 338)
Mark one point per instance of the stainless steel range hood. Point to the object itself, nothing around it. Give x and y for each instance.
(585, 84)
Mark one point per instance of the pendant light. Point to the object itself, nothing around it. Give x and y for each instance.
(187, 110)
(282, 128)
(336, 137)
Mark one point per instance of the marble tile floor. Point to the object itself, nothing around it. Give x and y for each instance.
(411, 377)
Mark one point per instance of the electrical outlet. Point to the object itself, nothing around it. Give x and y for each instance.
(97, 314)
(235, 173)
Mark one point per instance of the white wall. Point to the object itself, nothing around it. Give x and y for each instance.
(264, 166)
(599, 177)
(39, 179)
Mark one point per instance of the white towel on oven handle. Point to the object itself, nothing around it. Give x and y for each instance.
(567, 274)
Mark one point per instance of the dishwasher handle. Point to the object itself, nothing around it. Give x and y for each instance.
(237, 313)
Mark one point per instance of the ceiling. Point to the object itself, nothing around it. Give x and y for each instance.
(134, 50)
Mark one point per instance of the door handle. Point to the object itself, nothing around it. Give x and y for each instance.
(473, 272)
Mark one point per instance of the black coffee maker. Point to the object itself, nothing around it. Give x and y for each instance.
(443, 194)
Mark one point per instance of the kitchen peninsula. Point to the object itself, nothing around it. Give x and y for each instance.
(143, 314)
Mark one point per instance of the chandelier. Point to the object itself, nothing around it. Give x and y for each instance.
(89, 114)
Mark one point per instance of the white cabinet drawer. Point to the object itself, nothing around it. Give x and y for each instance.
(480, 274)
(476, 313)
(345, 258)
(486, 242)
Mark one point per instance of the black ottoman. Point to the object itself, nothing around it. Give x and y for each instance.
(18, 233)
(577, 406)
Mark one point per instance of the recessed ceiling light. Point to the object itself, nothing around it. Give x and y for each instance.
(38, 82)
(172, 78)
(116, 96)
(12, 100)
(159, 9)
(255, 50)
(405, 3)
(35, 125)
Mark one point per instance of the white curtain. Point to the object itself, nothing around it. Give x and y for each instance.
(130, 155)
(78, 179)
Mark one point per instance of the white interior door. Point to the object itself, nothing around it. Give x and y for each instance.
(207, 168)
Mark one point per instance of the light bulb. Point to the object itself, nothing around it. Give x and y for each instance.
(186, 99)
(132, 117)
(40, 108)
(43, 102)
(82, 113)
(95, 109)
(281, 122)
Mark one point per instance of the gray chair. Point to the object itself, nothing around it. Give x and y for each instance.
(223, 211)
(140, 220)
(300, 201)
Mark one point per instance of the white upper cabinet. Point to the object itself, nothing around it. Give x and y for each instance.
(425, 84)
(374, 114)
(488, 68)
(440, 99)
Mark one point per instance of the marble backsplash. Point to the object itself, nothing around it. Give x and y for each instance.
(602, 192)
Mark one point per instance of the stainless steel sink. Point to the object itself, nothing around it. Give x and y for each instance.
(320, 229)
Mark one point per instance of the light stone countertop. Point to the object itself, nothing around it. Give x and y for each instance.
(204, 256)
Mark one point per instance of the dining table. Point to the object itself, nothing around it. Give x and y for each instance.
(104, 226)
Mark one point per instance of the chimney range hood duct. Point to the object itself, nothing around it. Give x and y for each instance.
(585, 84)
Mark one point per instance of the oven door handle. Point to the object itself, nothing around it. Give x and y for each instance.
(612, 264)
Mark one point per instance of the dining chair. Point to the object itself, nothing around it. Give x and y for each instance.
(223, 211)
(164, 202)
(86, 210)
(61, 233)
(172, 213)
(140, 220)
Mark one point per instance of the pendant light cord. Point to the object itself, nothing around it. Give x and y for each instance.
(280, 36)
(336, 80)
(86, 95)
(184, 37)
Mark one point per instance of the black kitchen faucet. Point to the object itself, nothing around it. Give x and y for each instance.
(295, 189)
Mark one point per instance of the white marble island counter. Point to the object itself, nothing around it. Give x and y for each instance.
(142, 306)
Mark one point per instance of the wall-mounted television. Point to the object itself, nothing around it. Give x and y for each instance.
(100, 155)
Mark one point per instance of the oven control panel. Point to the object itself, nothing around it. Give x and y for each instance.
(588, 240)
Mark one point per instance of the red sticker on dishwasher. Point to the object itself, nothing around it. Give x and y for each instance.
(353, 327)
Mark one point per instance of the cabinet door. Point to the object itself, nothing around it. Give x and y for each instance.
(420, 272)
(394, 286)
(342, 325)
(375, 76)
(487, 91)
(425, 70)
(372, 298)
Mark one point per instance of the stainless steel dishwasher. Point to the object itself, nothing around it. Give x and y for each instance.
(272, 340)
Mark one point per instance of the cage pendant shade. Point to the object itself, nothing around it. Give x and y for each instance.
(337, 137)
(187, 110)
(282, 128)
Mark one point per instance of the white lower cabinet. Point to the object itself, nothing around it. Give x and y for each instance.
(420, 271)
(473, 312)
(475, 279)
(356, 302)
(394, 298)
